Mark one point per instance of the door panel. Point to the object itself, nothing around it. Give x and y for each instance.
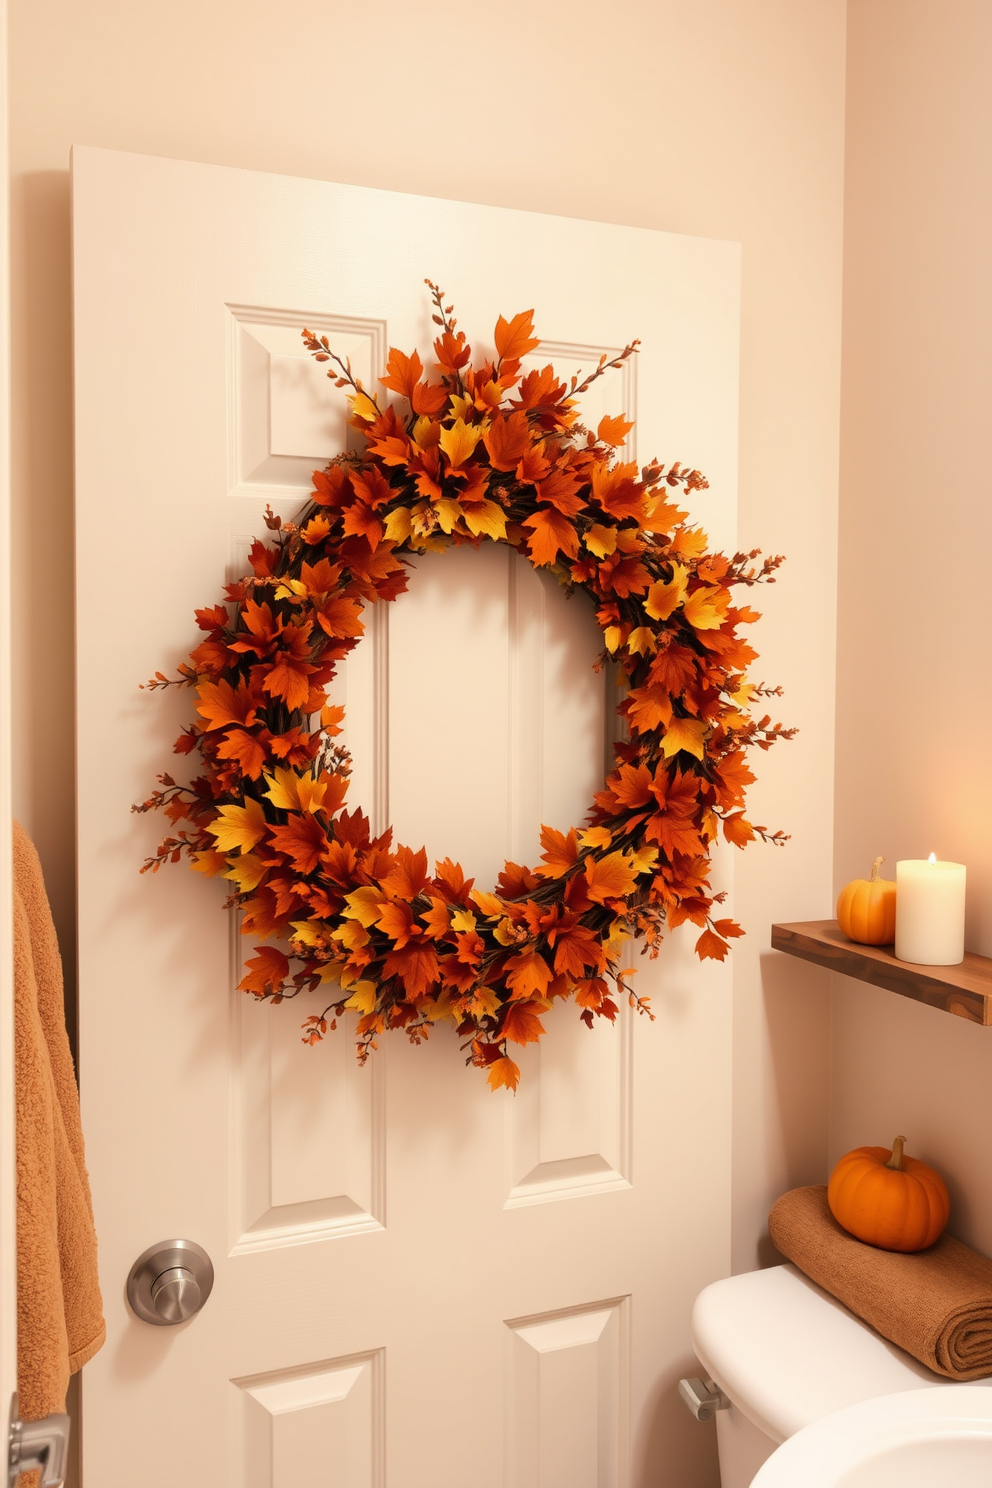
(418, 1282)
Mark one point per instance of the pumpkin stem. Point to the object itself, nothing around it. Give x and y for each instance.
(895, 1161)
(874, 869)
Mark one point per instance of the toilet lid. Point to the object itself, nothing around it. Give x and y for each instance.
(787, 1353)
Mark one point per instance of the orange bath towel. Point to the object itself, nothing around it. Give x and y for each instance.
(59, 1310)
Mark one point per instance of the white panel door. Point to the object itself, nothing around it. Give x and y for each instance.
(419, 1282)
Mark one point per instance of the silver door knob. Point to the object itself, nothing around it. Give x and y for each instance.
(169, 1282)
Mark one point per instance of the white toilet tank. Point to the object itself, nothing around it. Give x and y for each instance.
(785, 1352)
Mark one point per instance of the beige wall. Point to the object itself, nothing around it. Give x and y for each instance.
(914, 705)
(722, 118)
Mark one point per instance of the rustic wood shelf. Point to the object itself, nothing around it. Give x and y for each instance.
(964, 990)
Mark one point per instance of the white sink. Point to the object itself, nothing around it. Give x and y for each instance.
(927, 1438)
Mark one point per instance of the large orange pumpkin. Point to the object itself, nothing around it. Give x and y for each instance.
(866, 909)
(887, 1199)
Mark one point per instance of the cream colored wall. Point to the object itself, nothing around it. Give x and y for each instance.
(914, 705)
(722, 118)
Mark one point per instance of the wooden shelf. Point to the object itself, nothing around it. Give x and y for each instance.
(964, 990)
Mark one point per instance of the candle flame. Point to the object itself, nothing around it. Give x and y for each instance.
(932, 859)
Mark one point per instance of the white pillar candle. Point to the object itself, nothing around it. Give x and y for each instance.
(930, 912)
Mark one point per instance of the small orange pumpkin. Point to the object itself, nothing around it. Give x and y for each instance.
(866, 909)
(888, 1200)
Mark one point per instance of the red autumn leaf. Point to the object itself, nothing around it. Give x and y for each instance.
(262, 558)
(415, 965)
(508, 440)
(266, 971)
(372, 487)
(515, 338)
(616, 489)
(361, 521)
(553, 533)
(521, 1024)
(214, 618)
(728, 928)
(711, 947)
(301, 839)
(631, 785)
(331, 487)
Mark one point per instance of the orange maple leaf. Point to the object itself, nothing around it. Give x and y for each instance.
(402, 372)
(521, 1023)
(737, 829)
(508, 440)
(609, 878)
(561, 851)
(613, 431)
(267, 970)
(245, 750)
(503, 1072)
(553, 533)
(408, 874)
(515, 338)
(528, 974)
(220, 703)
(711, 947)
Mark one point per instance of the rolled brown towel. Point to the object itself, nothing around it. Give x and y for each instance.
(936, 1304)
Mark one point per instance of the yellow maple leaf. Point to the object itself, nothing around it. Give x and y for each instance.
(305, 931)
(351, 935)
(211, 862)
(460, 406)
(362, 1000)
(612, 635)
(706, 608)
(600, 540)
(448, 512)
(664, 598)
(642, 641)
(363, 905)
(283, 789)
(246, 871)
(362, 407)
(398, 525)
(684, 733)
(463, 919)
(643, 860)
(459, 441)
(238, 828)
(486, 518)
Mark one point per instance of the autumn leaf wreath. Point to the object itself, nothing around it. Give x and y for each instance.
(471, 454)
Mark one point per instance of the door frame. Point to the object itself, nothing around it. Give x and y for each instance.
(8, 1190)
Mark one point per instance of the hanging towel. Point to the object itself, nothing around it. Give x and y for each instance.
(935, 1303)
(59, 1310)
